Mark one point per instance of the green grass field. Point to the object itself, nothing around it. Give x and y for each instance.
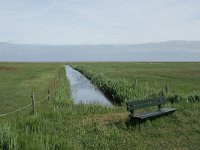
(19, 80)
(144, 80)
(59, 124)
(182, 78)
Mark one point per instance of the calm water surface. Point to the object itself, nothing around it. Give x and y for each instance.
(83, 91)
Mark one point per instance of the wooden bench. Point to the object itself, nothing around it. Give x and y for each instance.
(132, 106)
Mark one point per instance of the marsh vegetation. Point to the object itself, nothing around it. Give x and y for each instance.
(60, 124)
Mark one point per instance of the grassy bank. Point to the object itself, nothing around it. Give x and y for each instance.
(125, 81)
(19, 80)
(181, 77)
(24, 130)
(59, 124)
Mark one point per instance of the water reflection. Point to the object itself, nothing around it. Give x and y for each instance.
(83, 91)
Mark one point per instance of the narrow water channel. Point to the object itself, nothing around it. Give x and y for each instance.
(83, 91)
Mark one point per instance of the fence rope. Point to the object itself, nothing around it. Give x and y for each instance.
(16, 110)
(41, 100)
(5, 114)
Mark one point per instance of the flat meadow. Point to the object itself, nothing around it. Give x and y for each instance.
(60, 124)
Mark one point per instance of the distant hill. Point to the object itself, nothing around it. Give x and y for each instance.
(169, 45)
(163, 51)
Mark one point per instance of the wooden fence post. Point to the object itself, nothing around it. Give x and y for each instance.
(48, 95)
(167, 89)
(162, 93)
(33, 102)
(136, 82)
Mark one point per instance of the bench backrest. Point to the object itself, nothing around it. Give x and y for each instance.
(144, 103)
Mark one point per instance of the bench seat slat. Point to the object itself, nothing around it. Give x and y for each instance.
(144, 103)
(154, 113)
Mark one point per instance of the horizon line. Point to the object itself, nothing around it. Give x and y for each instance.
(101, 44)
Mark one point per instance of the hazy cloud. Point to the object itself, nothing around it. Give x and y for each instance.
(49, 7)
(98, 21)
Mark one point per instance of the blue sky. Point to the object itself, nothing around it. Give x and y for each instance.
(98, 21)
